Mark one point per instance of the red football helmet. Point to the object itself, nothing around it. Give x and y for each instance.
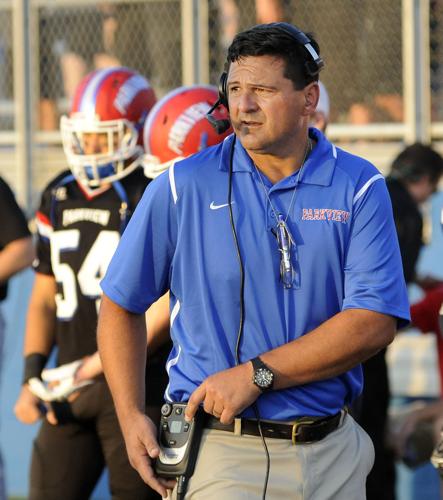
(177, 126)
(112, 103)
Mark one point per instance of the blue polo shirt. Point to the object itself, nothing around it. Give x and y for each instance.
(345, 255)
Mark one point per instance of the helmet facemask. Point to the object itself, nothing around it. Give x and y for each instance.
(94, 171)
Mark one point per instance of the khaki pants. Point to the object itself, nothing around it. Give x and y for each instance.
(233, 467)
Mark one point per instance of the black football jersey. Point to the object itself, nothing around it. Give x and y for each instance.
(77, 237)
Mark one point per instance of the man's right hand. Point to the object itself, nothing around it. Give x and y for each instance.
(142, 447)
(27, 407)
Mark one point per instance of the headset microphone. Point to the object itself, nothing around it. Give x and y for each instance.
(220, 126)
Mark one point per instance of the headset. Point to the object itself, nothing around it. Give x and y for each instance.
(312, 67)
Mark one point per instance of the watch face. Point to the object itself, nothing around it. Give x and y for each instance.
(263, 377)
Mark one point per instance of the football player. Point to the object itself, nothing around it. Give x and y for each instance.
(82, 214)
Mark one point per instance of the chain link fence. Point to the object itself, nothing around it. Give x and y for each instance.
(360, 42)
(76, 39)
(436, 56)
(6, 84)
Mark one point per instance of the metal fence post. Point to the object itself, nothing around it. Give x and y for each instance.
(22, 100)
(195, 41)
(416, 71)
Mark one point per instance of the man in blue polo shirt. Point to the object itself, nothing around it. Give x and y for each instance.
(281, 257)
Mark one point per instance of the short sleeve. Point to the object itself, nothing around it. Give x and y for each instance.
(373, 269)
(14, 225)
(139, 271)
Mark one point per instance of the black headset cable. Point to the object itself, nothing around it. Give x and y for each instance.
(242, 312)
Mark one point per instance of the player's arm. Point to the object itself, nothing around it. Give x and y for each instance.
(15, 256)
(40, 320)
(122, 343)
(157, 322)
(39, 340)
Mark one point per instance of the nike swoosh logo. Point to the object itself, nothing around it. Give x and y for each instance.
(213, 206)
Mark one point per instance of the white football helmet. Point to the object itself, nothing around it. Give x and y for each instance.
(112, 103)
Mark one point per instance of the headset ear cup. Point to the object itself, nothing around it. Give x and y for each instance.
(222, 89)
(313, 68)
(315, 63)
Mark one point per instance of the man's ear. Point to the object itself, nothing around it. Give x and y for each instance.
(312, 95)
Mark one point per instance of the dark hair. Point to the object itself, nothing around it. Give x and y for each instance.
(417, 161)
(270, 39)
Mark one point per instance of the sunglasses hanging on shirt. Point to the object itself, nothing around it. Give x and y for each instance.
(285, 242)
(283, 234)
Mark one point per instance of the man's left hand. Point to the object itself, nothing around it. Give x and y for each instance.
(225, 394)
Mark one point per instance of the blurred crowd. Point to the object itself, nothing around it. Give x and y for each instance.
(74, 41)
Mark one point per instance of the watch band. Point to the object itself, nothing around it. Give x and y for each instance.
(258, 363)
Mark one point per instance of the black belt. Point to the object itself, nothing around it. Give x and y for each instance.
(303, 430)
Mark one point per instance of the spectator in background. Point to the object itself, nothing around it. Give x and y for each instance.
(426, 315)
(414, 177)
(16, 253)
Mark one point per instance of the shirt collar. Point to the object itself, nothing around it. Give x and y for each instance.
(242, 161)
(318, 169)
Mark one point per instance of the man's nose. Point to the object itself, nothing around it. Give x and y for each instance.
(247, 102)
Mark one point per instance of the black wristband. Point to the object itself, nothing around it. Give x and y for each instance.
(34, 364)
